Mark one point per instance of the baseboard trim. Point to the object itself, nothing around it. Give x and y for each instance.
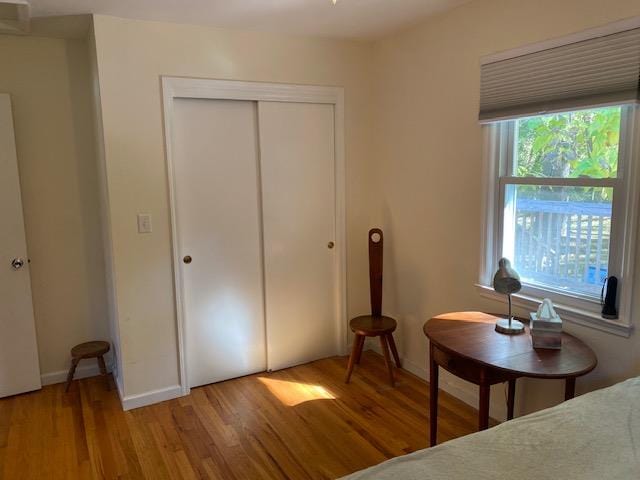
(83, 371)
(128, 403)
(414, 368)
(148, 398)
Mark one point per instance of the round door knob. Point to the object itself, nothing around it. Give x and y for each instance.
(17, 263)
(187, 259)
(331, 245)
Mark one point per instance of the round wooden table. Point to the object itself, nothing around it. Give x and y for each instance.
(467, 345)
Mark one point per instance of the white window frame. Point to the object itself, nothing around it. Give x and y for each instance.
(499, 148)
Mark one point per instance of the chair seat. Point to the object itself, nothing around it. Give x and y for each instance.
(90, 349)
(372, 326)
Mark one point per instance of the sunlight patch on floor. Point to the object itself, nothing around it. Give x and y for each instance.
(295, 393)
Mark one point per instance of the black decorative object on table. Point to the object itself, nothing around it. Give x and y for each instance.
(609, 303)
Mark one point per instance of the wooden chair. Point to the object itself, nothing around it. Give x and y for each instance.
(95, 349)
(376, 324)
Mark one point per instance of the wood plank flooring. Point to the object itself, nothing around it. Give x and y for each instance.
(299, 423)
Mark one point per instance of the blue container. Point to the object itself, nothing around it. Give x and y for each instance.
(591, 275)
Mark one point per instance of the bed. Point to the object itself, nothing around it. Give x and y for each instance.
(592, 437)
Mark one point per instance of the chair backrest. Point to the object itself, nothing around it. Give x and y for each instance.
(376, 242)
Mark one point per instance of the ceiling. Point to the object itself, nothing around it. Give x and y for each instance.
(362, 19)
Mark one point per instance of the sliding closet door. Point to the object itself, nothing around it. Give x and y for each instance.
(297, 163)
(215, 156)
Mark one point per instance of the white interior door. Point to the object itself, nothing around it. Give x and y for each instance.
(19, 369)
(297, 158)
(215, 152)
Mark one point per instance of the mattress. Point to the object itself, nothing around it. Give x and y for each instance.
(593, 437)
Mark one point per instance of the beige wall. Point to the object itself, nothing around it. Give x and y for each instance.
(105, 218)
(132, 55)
(413, 149)
(428, 144)
(48, 82)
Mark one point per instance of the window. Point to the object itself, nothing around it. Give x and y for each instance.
(558, 234)
(562, 137)
(561, 203)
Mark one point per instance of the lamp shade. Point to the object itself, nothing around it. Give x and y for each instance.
(506, 280)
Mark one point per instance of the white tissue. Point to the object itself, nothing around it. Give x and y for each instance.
(546, 312)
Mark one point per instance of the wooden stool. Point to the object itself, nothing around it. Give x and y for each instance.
(374, 325)
(94, 349)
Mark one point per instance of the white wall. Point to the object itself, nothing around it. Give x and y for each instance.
(428, 145)
(48, 82)
(104, 213)
(131, 57)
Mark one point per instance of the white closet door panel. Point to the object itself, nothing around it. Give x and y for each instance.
(298, 187)
(218, 225)
(19, 368)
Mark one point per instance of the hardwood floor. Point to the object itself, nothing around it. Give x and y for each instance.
(299, 423)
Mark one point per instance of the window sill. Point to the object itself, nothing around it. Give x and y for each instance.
(574, 315)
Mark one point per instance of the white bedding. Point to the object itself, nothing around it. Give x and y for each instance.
(593, 437)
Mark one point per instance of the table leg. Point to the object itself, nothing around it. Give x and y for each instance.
(433, 398)
(570, 388)
(483, 414)
(511, 398)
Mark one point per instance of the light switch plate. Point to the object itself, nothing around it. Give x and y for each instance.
(144, 223)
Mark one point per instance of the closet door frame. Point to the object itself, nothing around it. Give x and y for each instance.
(198, 88)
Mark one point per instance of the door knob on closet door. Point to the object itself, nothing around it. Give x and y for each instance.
(187, 259)
(17, 263)
(331, 245)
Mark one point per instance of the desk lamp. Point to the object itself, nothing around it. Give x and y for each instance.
(507, 281)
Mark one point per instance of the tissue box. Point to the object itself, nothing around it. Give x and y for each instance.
(546, 333)
(553, 324)
(546, 339)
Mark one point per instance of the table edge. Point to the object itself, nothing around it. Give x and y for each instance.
(520, 373)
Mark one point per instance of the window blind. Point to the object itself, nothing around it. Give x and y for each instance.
(598, 71)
